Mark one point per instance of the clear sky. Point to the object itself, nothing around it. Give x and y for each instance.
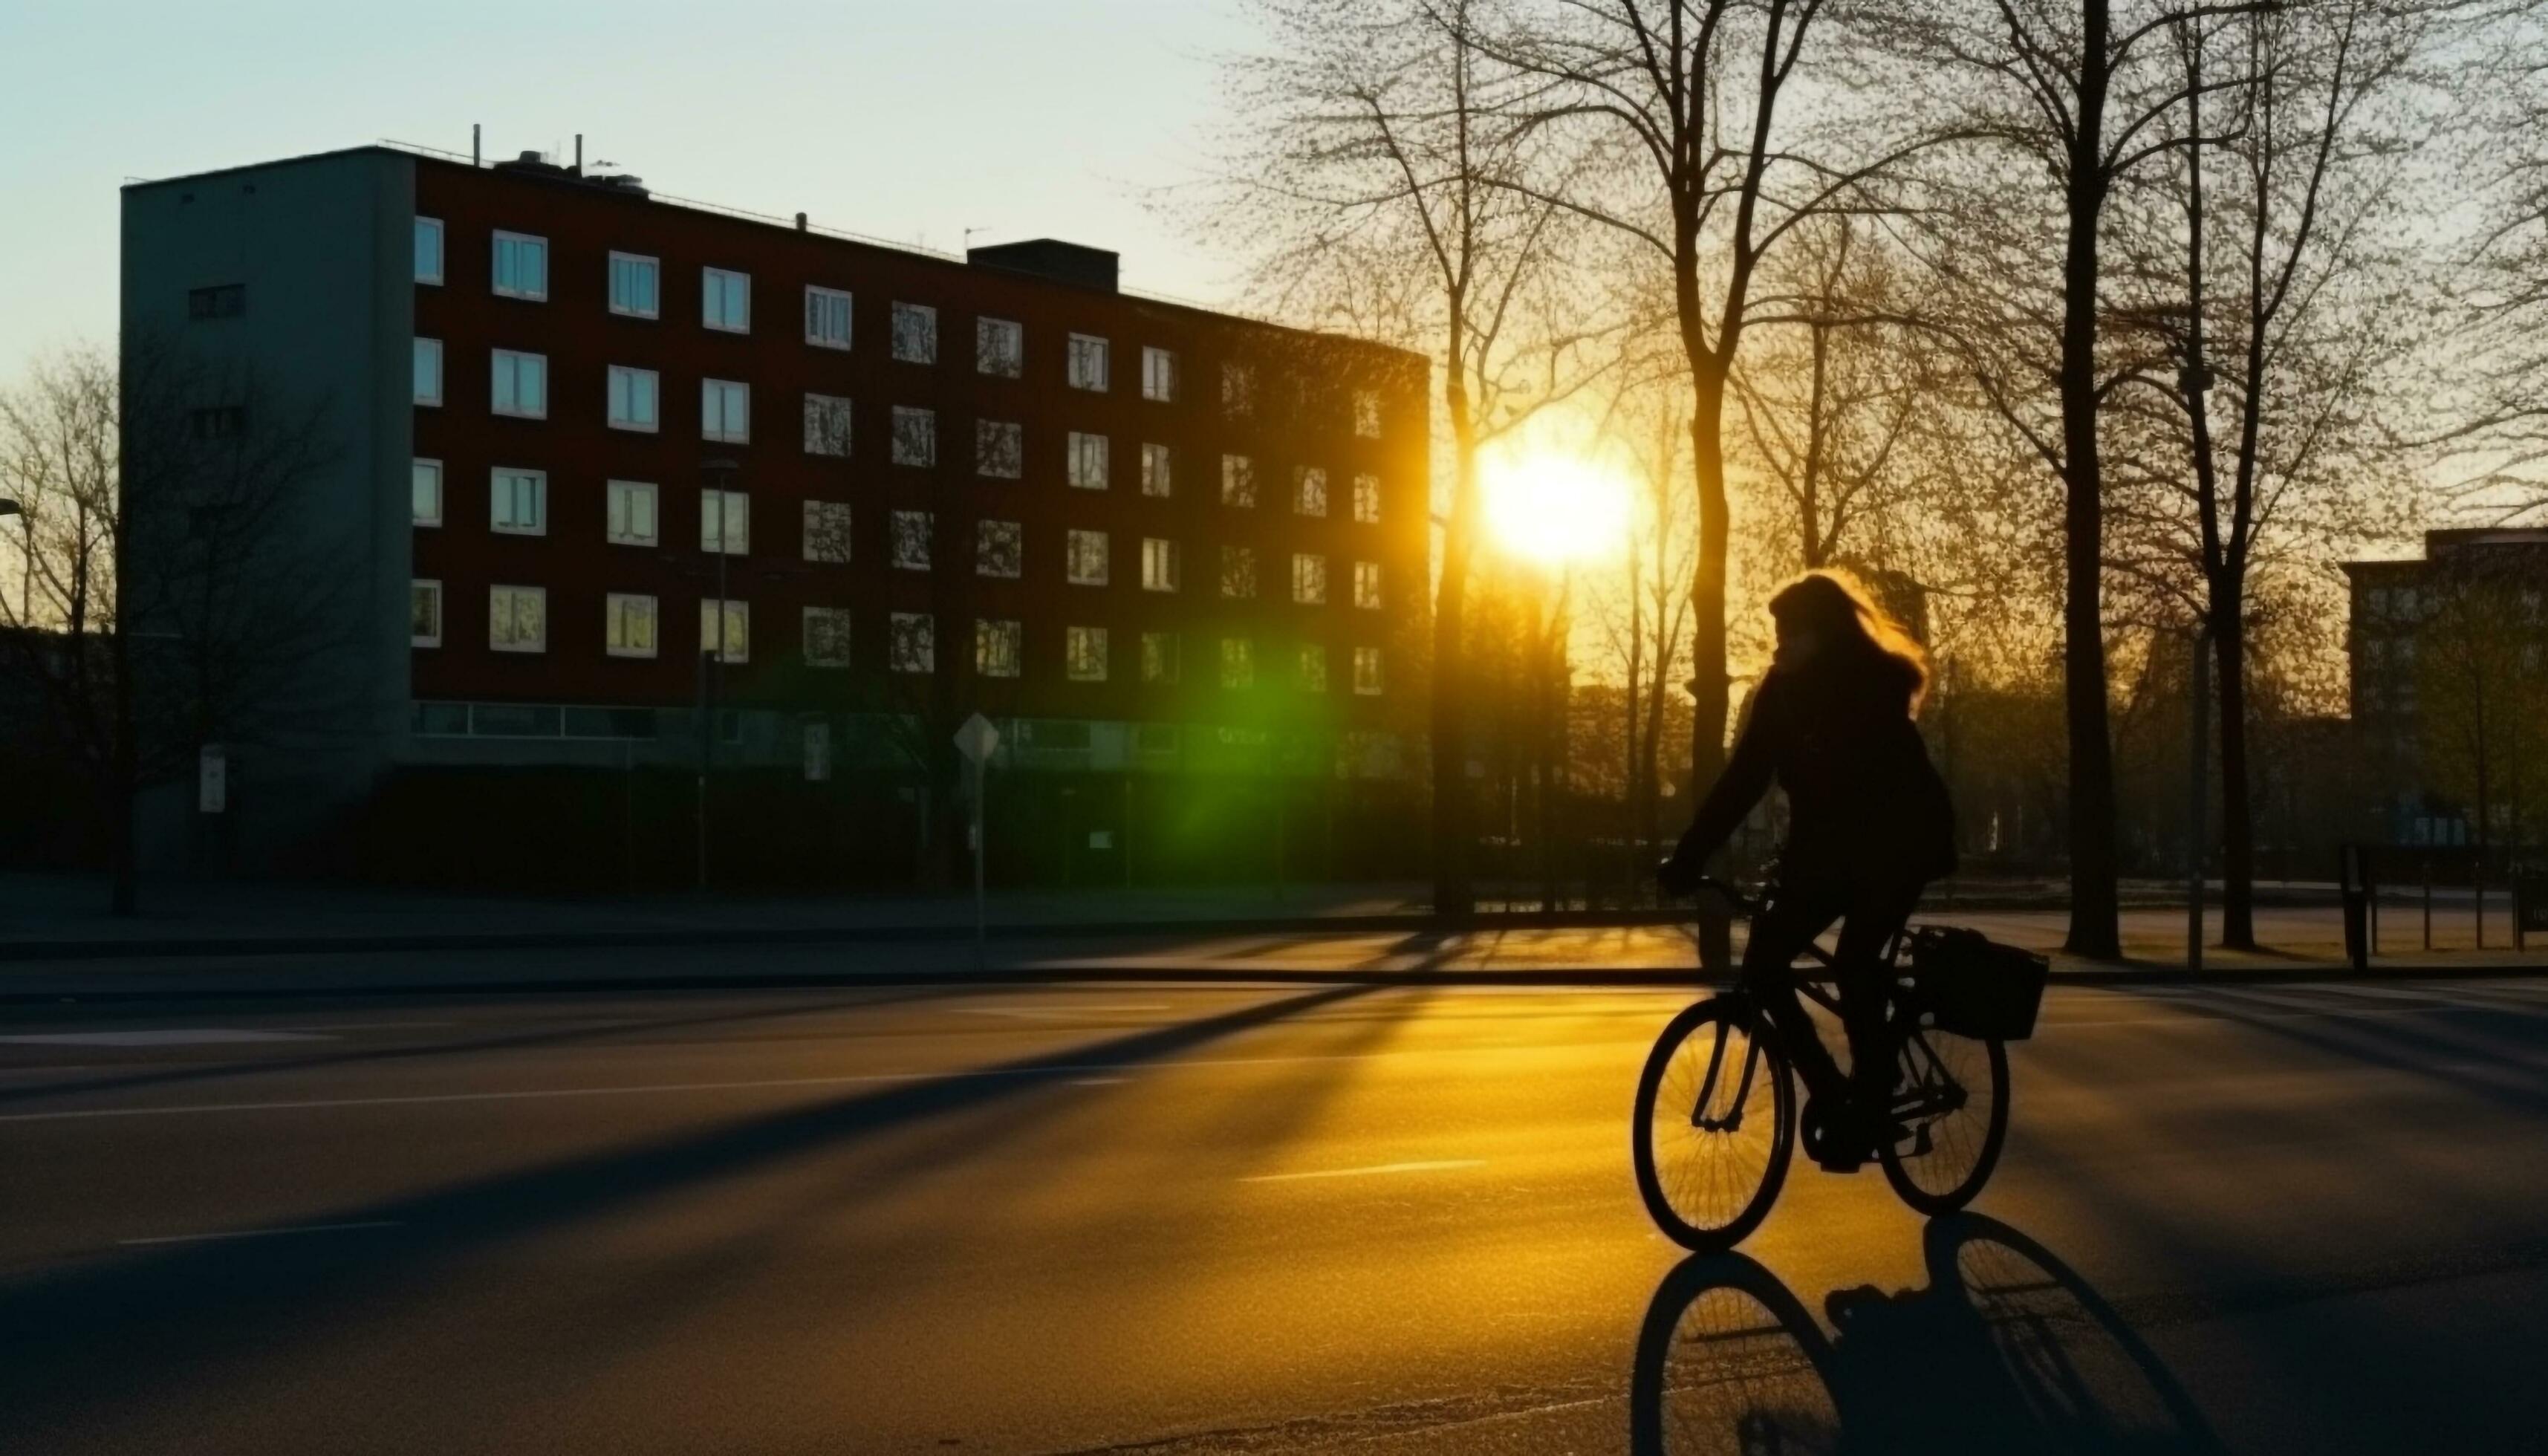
(909, 122)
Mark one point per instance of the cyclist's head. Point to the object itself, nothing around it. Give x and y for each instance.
(1830, 619)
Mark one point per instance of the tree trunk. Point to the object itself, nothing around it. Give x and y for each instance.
(2237, 818)
(1708, 683)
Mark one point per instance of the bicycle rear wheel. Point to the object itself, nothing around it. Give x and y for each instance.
(1952, 1101)
(1715, 1124)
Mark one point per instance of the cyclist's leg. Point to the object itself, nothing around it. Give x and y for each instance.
(1779, 934)
(1876, 911)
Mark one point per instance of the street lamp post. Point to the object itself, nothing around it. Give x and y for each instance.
(711, 666)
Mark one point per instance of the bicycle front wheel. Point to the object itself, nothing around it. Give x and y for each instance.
(1950, 1099)
(1715, 1124)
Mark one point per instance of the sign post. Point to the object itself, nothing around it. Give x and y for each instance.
(977, 739)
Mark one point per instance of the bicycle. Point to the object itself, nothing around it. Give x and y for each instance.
(1716, 1105)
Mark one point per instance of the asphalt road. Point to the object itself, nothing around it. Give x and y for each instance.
(2288, 1218)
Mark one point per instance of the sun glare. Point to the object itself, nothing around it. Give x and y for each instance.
(1554, 509)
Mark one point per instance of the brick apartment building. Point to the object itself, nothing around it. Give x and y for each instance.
(2446, 657)
(1153, 542)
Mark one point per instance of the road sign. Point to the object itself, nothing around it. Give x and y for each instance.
(818, 751)
(213, 779)
(977, 739)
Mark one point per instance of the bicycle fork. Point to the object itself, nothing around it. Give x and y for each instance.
(1732, 1121)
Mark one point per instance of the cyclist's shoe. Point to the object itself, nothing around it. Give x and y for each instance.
(1835, 1135)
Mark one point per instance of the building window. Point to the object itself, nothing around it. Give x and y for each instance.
(1310, 673)
(827, 637)
(999, 448)
(424, 491)
(999, 548)
(915, 436)
(1366, 408)
(1237, 481)
(1159, 657)
(1238, 663)
(1238, 389)
(1366, 502)
(428, 371)
(1367, 584)
(999, 348)
(517, 618)
(222, 300)
(1308, 579)
(425, 613)
(827, 531)
(428, 249)
(725, 522)
(1157, 479)
(914, 644)
(914, 334)
(1238, 570)
(519, 501)
(1310, 491)
(521, 266)
(520, 385)
(633, 403)
(1084, 653)
(1087, 362)
(827, 318)
(1159, 564)
(827, 424)
(910, 532)
(636, 286)
(725, 300)
(726, 634)
(725, 410)
(628, 624)
(998, 645)
(1086, 559)
(1087, 461)
(1367, 670)
(630, 506)
(1158, 374)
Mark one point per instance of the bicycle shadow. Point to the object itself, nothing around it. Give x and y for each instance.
(2008, 1349)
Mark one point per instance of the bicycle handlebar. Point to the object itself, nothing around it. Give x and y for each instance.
(1749, 904)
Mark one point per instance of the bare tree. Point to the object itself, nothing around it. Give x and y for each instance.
(1382, 196)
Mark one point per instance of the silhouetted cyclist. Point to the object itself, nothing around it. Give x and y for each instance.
(1869, 826)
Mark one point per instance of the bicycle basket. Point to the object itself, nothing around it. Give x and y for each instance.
(1975, 987)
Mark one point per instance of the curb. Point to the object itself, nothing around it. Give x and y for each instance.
(1554, 979)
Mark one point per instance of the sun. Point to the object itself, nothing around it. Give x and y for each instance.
(1554, 508)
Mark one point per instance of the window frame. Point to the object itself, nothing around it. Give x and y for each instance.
(1163, 553)
(1074, 540)
(496, 265)
(916, 412)
(539, 595)
(899, 532)
(710, 271)
(611, 619)
(729, 503)
(1076, 640)
(430, 587)
(1011, 632)
(1366, 414)
(611, 374)
(613, 491)
(1237, 481)
(496, 475)
(1170, 651)
(1305, 500)
(986, 326)
(1015, 534)
(1015, 433)
(1238, 664)
(1305, 655)
(1366, 655)
(1366, 499)
(1077, 451)
(611, 284)
(726, 610)
(817, 534)
(432, 346)
(719, 436)
(1308, 579)
(899, 630)
(928, 315)
(1102, 352)
(1159, 483)
(1158, 365)
(839, 619)
(814, 293)
(1366, 575)
(442, 251)
(498, 374)
(441, 493)
(828, 408)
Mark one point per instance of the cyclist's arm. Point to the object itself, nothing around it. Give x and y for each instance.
(1745, 779)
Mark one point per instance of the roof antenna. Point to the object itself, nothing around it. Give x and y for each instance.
(474, 160)
(578, 153)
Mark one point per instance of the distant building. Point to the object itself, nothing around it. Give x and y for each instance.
(585, 430)
(2446, 675)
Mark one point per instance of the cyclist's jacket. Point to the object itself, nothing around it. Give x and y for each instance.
(1863, 800)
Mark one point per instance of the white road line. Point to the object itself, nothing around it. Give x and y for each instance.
(1435, 1166)
(259, 1232)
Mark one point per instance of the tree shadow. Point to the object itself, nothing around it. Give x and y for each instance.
(98, 1335)
(2008, 1349)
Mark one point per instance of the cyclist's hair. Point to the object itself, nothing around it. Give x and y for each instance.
(1838, 603)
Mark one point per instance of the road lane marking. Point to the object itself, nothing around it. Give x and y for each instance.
(259, 1232)
(1100, 1081)
(167, 1036)
(1434, 1167)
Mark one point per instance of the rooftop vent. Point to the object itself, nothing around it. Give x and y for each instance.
(1050, 257)
(535, 162)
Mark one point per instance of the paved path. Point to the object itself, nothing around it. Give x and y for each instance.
(2309, 1219)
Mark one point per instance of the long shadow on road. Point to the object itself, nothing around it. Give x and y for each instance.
(90, 1338)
